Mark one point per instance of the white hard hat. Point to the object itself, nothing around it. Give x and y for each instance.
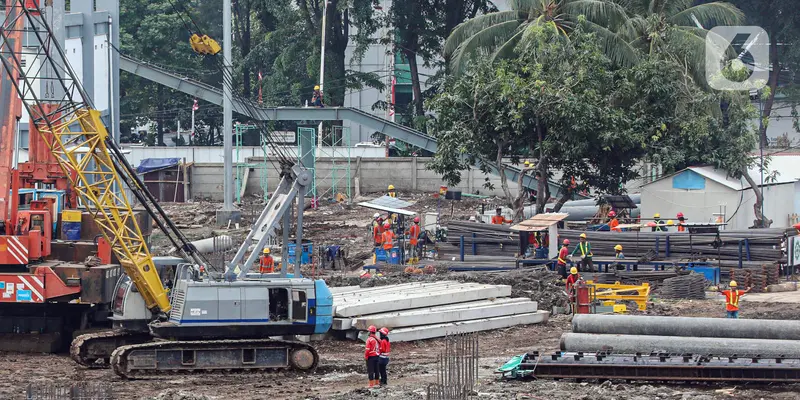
(472, 218)
(377, 215)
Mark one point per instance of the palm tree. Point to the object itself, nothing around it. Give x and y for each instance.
(676, 30)
(496, 34)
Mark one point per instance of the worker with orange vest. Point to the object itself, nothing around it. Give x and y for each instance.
(681, 222)
(266, 264)
(372, 352)
(383, 359)
(413, 239)
(387, 237)
(732, 297)
(563, 254)
(613, 224)
(499, 219)
(377, 232)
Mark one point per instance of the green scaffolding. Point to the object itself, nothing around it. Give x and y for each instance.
(327, 183)
(242, 169)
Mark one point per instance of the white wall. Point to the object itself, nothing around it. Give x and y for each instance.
(212, 155)
(779, 202)
(696, 205)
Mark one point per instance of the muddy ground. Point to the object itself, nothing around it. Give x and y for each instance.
(341, 374)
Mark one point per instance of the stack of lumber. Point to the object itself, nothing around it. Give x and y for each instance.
(415, 311)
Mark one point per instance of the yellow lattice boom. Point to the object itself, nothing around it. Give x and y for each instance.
(78, 140)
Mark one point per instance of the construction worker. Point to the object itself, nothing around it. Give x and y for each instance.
(413, 240)
(266, 264)
(391, 191)
(681, 222)
(571, 279)
(377, 231)
(383, 359)
(563, 254)
(618, 252)
(732, 297)
(613, 223)
(372, 352)
(669, 223)
(658, 226)
(498, 218)
(316, 98)
(387, 237)
(586, 253)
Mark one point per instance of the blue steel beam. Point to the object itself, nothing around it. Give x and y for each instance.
(213, 95)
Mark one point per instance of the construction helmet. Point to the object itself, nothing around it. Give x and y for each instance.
(618, 247)
(266, 250)
(733, 284)
(316, 87)
(680, 215)
(612, 213)
(656, 215)
(376, 215)
(391, 187)
(566, 242)
(573, 270)
(583, 236)
(416, 219)
(384, 330)
(372, 329)
(387, 225)
(527, 163)
(670, 222)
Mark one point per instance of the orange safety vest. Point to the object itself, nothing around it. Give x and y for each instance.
(681, 228)
(499, 220)
(388, 237)
(377, 234)
(413, 234)
(614, 225)
(266, 265)
(732, 299)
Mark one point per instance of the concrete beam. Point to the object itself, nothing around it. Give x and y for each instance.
(478, 325)
(441, 315)
(343, 289)
(631, 344)
(417, 299)
(686, 326)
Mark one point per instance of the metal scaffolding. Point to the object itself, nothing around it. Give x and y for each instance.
(332, 183)
(243, 169)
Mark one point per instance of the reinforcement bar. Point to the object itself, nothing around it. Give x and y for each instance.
(657, 367)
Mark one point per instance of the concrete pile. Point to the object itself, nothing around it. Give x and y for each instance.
(415, 311)
(622, 334)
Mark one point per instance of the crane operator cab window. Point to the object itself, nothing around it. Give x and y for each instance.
(299, 305)
(278, 304)
(37, 222)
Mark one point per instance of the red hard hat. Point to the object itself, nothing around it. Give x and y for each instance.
(612, 213)
(387, 225)
(566, 241)
(372, 329)
(680, 215)
(384, 330)
(416, 219)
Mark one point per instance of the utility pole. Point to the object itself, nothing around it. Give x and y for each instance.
(191, 134)
(322, 66)
(228, 212)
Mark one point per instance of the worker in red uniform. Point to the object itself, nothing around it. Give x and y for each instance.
(413, 240)
(377, 232)
(266, 264)
(571, 279)
(732, 297)
(563, 254)
(499, 219)
(613, 223)
(383, 359)
(372, 352)
(387, 237)
(681, 222)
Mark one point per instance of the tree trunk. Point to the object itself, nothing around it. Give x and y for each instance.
(542, 188)
(761, 221)
(415, 83)
(773, 86)
(563, 199)
(501, 169)
(519, 201)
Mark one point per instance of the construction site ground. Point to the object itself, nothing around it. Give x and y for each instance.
(341, 374)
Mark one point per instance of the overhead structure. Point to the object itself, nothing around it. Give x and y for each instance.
(543, 222)
(214, 95)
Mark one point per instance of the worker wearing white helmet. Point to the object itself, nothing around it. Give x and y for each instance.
(732, 297)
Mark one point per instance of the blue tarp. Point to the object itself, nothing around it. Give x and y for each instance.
(155, 164)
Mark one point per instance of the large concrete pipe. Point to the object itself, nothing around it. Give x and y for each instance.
(206, 246)
(631, 344)
(687, 326)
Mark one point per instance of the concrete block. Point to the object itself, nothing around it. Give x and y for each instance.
(403, 301)
(342, 324)
(441, 330)
(343, 289)
(445, 314)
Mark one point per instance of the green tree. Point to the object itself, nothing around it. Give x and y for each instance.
(497, 34)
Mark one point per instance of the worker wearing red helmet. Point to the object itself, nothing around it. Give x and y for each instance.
(372, 352)
(413, 239)
(387, 236)
(613, 223)
(563, 254)
(681, 222)
(383, 358)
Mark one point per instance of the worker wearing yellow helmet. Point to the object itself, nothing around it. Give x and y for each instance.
(585, 248)
(573, 277)
(391, 191)
(618, 252)
(266, 264)
(316, 98)
(658, 225)
(732, 297)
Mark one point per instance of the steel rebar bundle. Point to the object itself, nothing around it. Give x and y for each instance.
(457, 369)
(689, 286)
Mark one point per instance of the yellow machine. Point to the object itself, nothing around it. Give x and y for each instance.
(609, 294)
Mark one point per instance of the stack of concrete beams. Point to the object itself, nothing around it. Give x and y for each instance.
(624, 334)
(415, 311)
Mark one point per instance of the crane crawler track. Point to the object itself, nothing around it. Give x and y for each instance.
(89, 348)
(246, 355)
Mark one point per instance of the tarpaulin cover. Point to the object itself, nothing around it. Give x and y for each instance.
(155, 164)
